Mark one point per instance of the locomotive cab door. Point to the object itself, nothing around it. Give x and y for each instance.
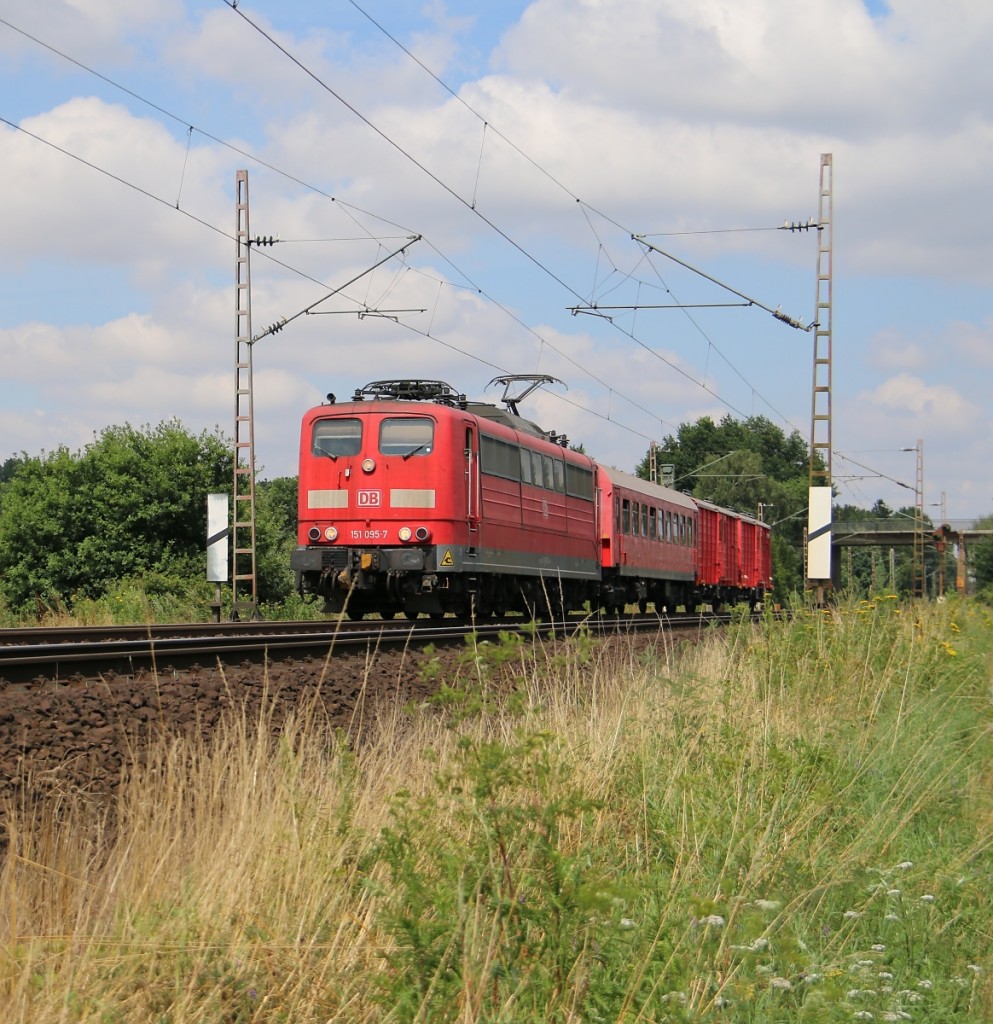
(471, 453)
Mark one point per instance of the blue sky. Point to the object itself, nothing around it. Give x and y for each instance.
(558, 129)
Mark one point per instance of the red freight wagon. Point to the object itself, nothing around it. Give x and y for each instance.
(733, 556)
(413, 499)
(647, 542)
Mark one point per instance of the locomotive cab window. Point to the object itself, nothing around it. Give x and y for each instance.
(339, 436)
(406, 436)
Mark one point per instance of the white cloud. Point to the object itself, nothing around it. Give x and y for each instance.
(931, 409)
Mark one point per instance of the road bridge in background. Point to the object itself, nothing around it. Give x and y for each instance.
(891, 533)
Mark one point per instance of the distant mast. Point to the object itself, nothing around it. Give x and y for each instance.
(818, 541)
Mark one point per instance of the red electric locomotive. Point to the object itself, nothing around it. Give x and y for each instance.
(412, 499)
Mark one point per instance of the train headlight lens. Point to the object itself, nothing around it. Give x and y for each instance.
(314, 533)
(368, 465)
(422, 533)
(331, 533)
(405, 533)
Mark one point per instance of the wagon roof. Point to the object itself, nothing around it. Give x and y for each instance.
(622, 479)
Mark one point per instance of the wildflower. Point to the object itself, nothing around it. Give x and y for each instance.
(878, 947)
(975, 968)
(905, 865)
(914, 997)
(851, 915)
(925, 984)
(892, 917)
(713, 921)
(782, 983)
(811, 978)
(927, 898)
(626, 922)
(894, 892)
(769, 905)
(863, 1015)
(885, 976)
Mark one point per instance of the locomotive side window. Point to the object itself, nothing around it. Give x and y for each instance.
(559, 469)
(339, 436)
(548, 474)
(498, 458)
(406, 436)
(578, 481)
(525, 466)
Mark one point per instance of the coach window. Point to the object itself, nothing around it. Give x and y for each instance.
(644, 520)
(652, 524)
(689, 532)
(667, 526)
(406, 436)
(340, 436)
(625, 516)
(617, 515)
(635, 519)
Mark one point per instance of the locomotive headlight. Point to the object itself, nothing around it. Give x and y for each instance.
(422, 533)
(331, 533)
(405, 533)
(368, 465)
(314, 533)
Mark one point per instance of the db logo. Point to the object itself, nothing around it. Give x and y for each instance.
(370, 499)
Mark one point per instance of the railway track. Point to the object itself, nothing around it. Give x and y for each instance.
(59, 654)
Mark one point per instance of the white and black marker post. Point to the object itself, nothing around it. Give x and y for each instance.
(218, 532)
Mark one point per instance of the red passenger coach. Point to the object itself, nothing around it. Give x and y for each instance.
(412, 499)
(648, 543)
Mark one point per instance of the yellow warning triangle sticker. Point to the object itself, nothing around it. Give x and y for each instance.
(447, 558)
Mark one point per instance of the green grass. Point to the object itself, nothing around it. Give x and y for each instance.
(787, 822)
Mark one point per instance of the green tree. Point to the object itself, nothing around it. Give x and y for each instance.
(981, 558)
(131, 504)
(275, 537)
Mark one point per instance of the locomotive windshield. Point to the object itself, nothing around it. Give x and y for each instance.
(339, 436)
(406, 436)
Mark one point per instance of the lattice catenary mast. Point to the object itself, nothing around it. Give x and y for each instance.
(818, 547)
(244, 593)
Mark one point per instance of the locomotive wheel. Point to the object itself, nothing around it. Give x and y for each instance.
(388, 614)
(411, 615)
(436, 616)
(355, 614)
(643, 606)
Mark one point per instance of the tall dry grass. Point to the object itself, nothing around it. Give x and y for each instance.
(789, 821)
